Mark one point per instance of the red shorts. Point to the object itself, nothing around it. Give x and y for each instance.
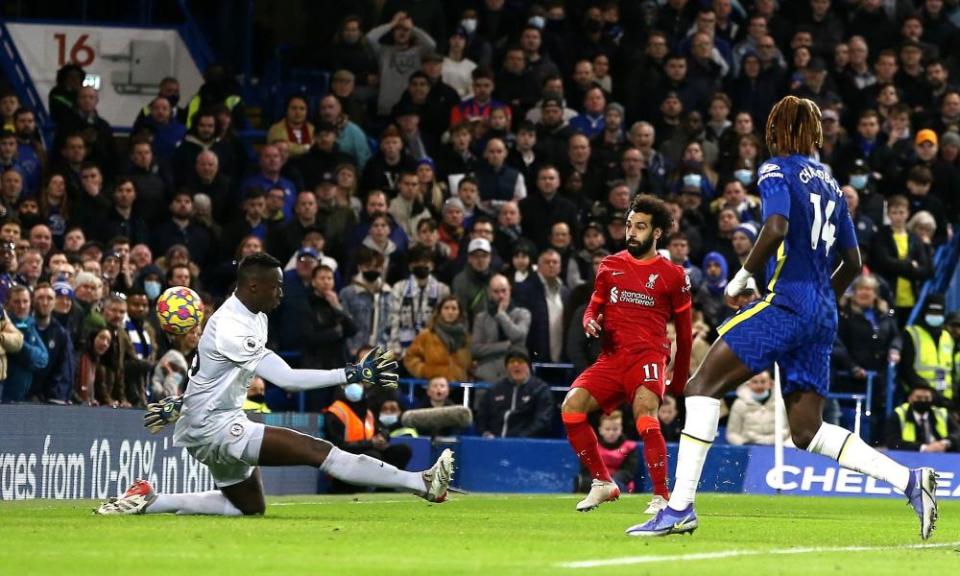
(614, 379)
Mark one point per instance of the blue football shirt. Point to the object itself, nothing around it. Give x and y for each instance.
(802, 191)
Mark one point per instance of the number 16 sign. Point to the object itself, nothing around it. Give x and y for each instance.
(74, 47)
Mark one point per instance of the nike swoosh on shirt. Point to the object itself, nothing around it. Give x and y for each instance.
(617, 273)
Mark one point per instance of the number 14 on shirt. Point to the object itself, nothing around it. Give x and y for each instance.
(822, 228)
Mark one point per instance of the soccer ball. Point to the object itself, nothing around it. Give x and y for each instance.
(179, 309)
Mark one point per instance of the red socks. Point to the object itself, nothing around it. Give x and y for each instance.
(584, 442)
(654, 453)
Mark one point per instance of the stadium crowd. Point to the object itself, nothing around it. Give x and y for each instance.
(452, 195)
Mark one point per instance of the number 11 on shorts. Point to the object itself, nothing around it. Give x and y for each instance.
(651, 372)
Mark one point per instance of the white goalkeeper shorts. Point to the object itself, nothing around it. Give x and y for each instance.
(232, 452)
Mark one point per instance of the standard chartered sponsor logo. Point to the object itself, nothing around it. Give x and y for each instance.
(639, 298)
(628, 297)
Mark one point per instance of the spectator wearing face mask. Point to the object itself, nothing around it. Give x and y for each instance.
(367, 301)
(927, 358)
(918, 425)
(867, 145)
(414, 299)
(350, 425)
(388, 415)
(151, 278)
(863, 223)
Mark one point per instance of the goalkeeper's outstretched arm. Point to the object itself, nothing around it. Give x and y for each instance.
(273, 368)
(376, 368)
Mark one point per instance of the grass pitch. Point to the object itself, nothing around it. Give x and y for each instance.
(487, 535)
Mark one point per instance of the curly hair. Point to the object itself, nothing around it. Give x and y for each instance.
(659, 214)
(793, 127)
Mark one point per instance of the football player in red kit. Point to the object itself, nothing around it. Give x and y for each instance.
(635, 294)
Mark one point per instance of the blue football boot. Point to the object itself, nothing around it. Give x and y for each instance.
(667, 521)
(922, 495)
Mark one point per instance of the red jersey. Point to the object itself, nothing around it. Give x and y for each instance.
(637, 298)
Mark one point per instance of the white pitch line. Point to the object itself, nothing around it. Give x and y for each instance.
(482, 497)
(327, 503)
(739, 553)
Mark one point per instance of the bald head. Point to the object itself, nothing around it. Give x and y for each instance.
(496, 152)
(499, 288)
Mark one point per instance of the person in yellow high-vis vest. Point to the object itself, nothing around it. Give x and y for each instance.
(255, 401)
(219, 87)
(927, 358)
(350, 425)
(953, 327)
(917, 425)
(389, 417)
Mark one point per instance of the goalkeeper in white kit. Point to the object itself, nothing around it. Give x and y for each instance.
(213, 428)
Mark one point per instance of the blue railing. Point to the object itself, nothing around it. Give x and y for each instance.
(944, 263)
(16, 72)
(891, 388)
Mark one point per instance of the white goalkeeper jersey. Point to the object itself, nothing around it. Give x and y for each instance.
(233, 343)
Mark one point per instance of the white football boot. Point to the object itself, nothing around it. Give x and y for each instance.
(437, 478)
(135, 500)
(600, 492)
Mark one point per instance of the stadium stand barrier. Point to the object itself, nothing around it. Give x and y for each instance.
(944, 265)
(61, 452)
(79, 452)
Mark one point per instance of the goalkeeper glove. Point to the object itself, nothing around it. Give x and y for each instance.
(376, 367)
(160, 414)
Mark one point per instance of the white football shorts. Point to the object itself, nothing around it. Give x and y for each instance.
(232, 452)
